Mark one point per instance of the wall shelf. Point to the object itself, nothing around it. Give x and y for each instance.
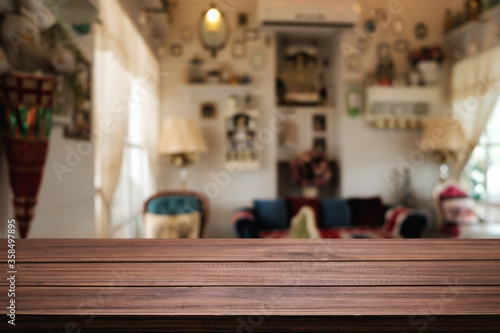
(400, 107)
(378, 94)
(460, 31)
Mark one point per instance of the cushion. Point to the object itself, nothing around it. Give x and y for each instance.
(294, 205)
(366, 212)
(177, 204)
(172, 226)
(303, 225)
(271, 214)
(334, 213)
(394, 219)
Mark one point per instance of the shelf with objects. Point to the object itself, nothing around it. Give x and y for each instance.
(400, 107)
(221, 78)
(304, 70)
(474, 29)
(242, 125)
(404, 100)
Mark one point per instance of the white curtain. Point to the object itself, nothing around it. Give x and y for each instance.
(475, 93)
(126, 75)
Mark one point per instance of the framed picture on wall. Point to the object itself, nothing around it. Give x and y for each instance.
(319, 144)
(319, 123)
(208, 110)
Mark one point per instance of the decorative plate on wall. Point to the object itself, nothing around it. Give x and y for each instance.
(370, 27)
(398, 26)
(421, 30)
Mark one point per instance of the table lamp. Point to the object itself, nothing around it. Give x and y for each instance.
(182, 141)
(445, 139)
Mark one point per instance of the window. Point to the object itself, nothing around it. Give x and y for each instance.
(135, 184)
(483, 170)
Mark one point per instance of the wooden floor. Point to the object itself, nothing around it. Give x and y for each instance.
(256, 285)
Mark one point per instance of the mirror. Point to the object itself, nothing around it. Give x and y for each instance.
(213, 30)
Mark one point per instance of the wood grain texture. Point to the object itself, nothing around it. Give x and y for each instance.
(290, 301)
(270, 285)
(216, 250)
(247, 324)
(361, 273)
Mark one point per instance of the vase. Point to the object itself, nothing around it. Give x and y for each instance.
(26, 105)
(310, 192)
(430, 71)
(26, 160)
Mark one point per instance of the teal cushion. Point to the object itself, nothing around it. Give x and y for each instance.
(173, 205)
(271, 214)
(334, 213)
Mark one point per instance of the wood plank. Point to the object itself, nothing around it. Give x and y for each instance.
(381, 273)
(261, 323)
(289, 301)
(141, 250)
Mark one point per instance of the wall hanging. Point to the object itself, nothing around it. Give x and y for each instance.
(26, 102)
(354, 99)
(421, 30)
(319, 123)
(242, 123)
(208, 110)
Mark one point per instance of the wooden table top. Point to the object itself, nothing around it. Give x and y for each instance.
(252, 285)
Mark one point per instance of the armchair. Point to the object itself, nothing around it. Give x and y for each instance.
(176, 214)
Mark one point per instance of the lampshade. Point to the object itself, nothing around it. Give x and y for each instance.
(181, 136)
(443, 135)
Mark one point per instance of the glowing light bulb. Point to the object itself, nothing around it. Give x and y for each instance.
(213, 15)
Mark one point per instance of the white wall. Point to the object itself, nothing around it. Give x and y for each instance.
(366, 155)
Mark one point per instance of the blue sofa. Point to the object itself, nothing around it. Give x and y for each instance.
(336, 218)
